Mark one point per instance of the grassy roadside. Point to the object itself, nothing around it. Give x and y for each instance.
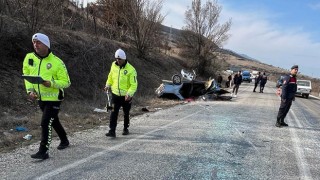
(74, 116)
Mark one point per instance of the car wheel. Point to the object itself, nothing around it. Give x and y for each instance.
(176, 79)
(307, 96)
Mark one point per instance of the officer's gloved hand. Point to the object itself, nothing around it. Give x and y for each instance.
(106, 88)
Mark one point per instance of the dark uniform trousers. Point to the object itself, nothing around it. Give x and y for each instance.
(255, 86)
(118, 102)
(284, 109)
(50, 111)
(262, 87)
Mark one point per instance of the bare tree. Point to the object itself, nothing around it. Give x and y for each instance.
(35, 13)
(137, 20)
(144, 24)
(2, 6)
(111, 13)
(203, 35)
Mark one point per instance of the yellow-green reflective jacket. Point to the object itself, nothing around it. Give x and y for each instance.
(50, 68)
(122, 80)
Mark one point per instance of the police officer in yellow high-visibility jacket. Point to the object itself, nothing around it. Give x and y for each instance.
(122, 80)
(42, 62)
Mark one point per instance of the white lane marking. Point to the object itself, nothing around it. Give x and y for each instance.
(84, 160)
(317, 145)
(288, 149)
(304, 171)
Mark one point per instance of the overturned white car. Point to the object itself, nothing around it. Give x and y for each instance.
(187, 87)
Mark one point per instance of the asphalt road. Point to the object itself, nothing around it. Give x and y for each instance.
(233, 139)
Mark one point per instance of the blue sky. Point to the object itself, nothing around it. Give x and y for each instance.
(276, 32)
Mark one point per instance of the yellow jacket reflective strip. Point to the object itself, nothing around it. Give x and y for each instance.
(50, 68)
(123, 81)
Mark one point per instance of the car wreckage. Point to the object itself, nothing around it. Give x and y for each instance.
(186, 86)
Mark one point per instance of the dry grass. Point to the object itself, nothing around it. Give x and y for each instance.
(74, 117)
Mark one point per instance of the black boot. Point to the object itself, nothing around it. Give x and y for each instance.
(63, 144)
(111, 133)
(41, 154)
(278, 123)
(283, 123)
(125, 131)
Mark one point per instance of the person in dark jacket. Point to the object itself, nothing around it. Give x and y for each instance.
(237, 80)
(256, 81)
(219, 79)
(263, 81)
(229, 81)
(289, 89)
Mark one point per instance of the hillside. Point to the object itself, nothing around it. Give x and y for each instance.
(88, 59)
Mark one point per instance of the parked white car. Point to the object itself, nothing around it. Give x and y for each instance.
(304, 88)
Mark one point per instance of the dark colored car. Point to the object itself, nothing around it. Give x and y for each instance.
(246, 76)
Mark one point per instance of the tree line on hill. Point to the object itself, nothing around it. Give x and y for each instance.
(134, 22)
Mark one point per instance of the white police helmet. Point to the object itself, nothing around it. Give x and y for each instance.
(120, 54)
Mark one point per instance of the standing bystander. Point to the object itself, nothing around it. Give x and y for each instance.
(219, 79)
(289, 88)
(256, 81)
(237, 80)
(228, 83)
(263, 81)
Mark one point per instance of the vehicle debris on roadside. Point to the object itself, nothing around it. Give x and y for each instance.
(27, 137)
(185, 86)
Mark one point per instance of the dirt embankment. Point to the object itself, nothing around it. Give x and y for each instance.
(88, 59)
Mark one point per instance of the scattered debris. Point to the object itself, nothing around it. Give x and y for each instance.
(189, 99)
(100, 110)
(230, 153)
(144, 109)
(27, 137)
(21, 128)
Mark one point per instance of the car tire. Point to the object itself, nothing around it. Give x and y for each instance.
(176, 79)
(307, 96)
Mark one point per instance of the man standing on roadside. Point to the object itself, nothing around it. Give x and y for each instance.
(256, 81)
(289, 89)
(122, 80)
(228, 83)
(49, 93)
(237, 80)
(263, 81)
(220, 79)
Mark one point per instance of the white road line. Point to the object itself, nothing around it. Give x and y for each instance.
(84, 160)
(288, 149)
(304, 171)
